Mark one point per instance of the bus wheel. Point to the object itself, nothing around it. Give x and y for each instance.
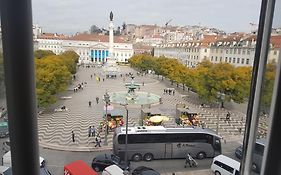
(136, 157)
(148, 157)
(201, 155)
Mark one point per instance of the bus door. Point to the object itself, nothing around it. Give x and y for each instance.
(168, 150)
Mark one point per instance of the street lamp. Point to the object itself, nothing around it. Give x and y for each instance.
(107, 100)
(221, 97)
(126, 138)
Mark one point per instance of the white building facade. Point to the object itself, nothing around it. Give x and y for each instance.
(90, 48)
(237, 50)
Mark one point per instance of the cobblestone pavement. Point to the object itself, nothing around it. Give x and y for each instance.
(55, 127)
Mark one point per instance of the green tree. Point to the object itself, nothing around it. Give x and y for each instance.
(268, 84)
(43, 53)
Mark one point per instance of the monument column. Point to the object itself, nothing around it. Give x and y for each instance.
(111, 27)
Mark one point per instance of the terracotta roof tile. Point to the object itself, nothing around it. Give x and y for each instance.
(275, 40)
(52, 36)
(95, 37)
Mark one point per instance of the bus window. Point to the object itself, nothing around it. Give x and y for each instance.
(217, 145)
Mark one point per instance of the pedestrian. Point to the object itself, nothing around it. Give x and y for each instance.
(93, 131)
(73, 136)
(102, 79)
(174, 91)
(97, 100)
(240, 130)
(91, 76)
(89, 131)
(188, 160)
(98, 141)
(143, 83)
(90, 103)
(227, 118)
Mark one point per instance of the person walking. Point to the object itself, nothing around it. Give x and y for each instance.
(73, 136)
(227, 118)
(93, 131)
(91, 76)
(90, 103)
(174, 91)
(98, 141)
(97, 100)
(89, 131)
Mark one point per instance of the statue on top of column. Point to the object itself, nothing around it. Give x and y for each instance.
(111, 16)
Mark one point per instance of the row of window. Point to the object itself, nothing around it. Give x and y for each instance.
(231, 60)
(114, 54)
(50, 42)
(122, 54)
(50, 46)
(232, 51)
(166, 138)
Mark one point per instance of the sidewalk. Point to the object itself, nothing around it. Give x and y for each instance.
(196, 172)
(74, 148)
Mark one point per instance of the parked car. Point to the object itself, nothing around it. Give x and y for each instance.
(104, 160)
(239, 152)
(113, 170)
(6, 160)
(143, 170)
(223, 165)
(4, 170)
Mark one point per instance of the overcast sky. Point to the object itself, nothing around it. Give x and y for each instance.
(71, 16)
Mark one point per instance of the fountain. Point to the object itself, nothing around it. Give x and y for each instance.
(133, 97)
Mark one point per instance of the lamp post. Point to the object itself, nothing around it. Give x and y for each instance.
(126, 138)
(107, 100)
(221, 97)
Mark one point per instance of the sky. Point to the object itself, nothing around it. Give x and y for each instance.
(71, 16)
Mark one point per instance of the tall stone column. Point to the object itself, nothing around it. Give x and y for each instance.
(111, 36)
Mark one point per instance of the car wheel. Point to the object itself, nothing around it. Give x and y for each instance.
(137, 157)
(97, 169)
(201, 155)
(148, 157)
(217, 173)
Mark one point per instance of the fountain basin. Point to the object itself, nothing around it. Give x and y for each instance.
(139, 98)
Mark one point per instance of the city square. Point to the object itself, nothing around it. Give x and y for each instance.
(55, 127)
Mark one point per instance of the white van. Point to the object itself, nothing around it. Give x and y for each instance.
(113, 170)
(6, 160)
(223, 165)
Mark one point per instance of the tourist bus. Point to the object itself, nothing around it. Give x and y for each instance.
(157, 142)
